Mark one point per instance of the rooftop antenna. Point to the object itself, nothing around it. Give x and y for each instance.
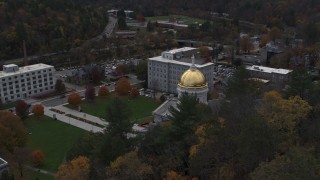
(25, 60)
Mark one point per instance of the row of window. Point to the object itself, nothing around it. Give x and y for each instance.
(27, 75)
(16, 96)
(23, 87)
(23, 82)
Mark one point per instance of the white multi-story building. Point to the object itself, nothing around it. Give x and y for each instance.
(19, 83)
(164, 71)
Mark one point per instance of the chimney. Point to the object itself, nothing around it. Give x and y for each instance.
(25, 60)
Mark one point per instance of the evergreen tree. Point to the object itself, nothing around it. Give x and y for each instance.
(118, 118)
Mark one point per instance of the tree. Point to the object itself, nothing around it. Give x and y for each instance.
(300, 83)
(118, 71)
(77, 168)
(103, 91)
(122, 25)
(129, 166)
(38, 110)
(280, 60)
(12, 131)
(123, 87)
(90, 93)
(163, 98)
(184, 117)
(245, 44)
(142, 70)
(239, 85)
(74, 99)
(121, 14)
(172, 175)
(255, 143)
(284, 114)
(119, 123)
(59, 86)
(150, 26)
(38, 158)
(297, 163)
(22, 109)
(21, 156)
(134, 92)
(204, 51)
(97, 74)
(274, 33)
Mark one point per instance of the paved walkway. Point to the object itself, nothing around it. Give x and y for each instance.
(75, 122)
(42, 171)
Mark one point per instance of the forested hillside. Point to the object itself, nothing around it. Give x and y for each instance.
(47, 25)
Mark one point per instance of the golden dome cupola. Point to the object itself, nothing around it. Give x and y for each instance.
(193, 78)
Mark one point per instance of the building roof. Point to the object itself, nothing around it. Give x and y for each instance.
(3, 163)
(9, 65)
(173, 23)
(192, 78)
(173, 51)
(268, 69)
(163, 109)
(182, 61)
(25, 69)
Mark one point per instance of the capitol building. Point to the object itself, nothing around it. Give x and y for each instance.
(192, 82)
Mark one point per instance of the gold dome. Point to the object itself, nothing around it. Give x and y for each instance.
(192, 78)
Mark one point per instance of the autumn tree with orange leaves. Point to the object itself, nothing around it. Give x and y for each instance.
(12, 131)
(38, 110)
(123, 87)
(77, 168)
(103, 91)
(38, 158)
(74, 99)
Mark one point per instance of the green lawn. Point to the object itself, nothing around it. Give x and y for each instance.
(140, 107)
(181, 19)
(54, 138)
(40, 176)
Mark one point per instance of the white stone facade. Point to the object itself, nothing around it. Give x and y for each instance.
(200, 93)
(20, 83)
(164, 71)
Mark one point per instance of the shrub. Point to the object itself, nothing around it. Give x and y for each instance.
(38, 158)
(103, 91)
(38, 110)
(90, 93)
(22, 109)
(123, 87)
(74, 99)
(134, 92)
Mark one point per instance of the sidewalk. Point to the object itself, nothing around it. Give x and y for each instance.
(75, 122)
(42, 171)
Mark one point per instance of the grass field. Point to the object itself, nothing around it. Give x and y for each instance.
(181, 19)
(140, 107)
(54, 138)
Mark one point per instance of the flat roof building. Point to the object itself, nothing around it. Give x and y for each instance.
(19, 83)
(164, 71)
(274, 75)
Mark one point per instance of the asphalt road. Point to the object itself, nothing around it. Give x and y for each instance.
(58, 100)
